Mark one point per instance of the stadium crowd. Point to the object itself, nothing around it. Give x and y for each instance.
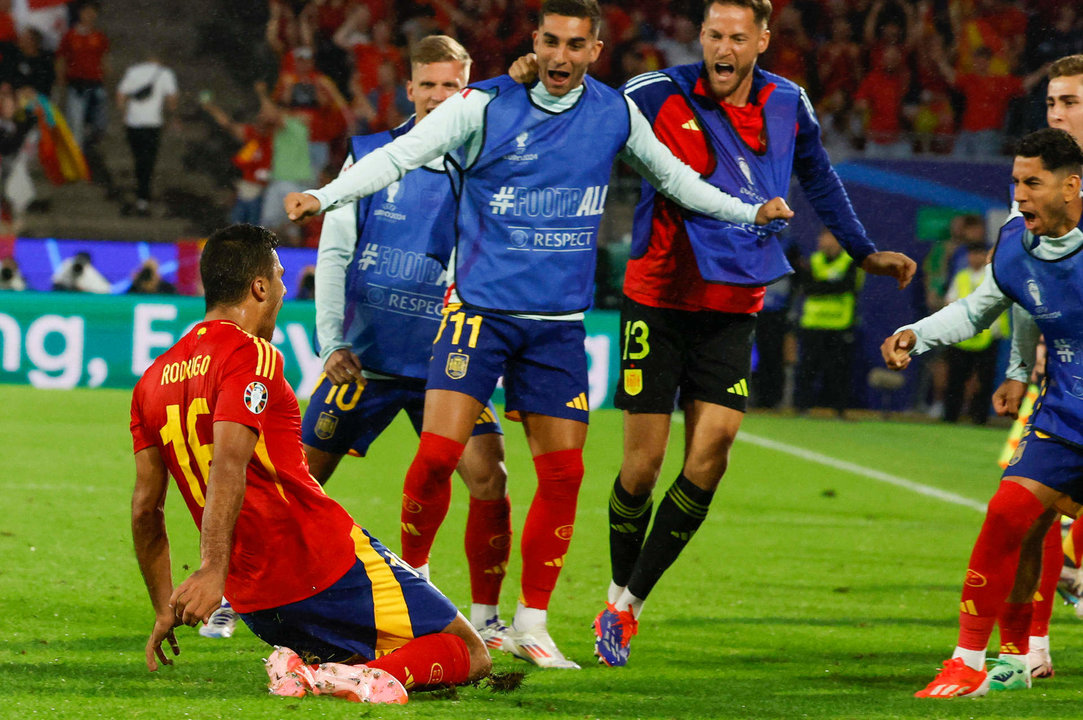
(888, 78)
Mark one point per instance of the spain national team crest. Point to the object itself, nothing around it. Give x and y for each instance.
(255, 397)
(325, 426)
(633, 381)
(456, 365)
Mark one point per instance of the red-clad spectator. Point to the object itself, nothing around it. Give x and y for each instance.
(253, 159)
(314, 97)
(993, 25)
(987, 99)
(880, 97)
(788, 53)
(283, 33)
(330, 15)
(81, 68)
(368, 54)
(838, 63)
(887, 25)
(388, 103)
(8, 32)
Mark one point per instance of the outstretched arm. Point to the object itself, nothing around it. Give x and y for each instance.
(152, 550)
(447, 127)
(893, 264)
(826, 194)
(953, 323)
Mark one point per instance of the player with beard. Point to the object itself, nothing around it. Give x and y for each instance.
(694, 285)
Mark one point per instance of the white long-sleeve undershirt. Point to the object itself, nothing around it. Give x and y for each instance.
(968, 316)
(459, 122)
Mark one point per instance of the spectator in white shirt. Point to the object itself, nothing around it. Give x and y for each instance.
(147, 90)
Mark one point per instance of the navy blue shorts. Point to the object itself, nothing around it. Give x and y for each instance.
(378, 606)
(1050, 461)
(344, 419)
(544, 362)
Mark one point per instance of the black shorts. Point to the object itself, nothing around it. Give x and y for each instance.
(705, 355)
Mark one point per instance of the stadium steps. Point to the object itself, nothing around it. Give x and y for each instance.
(189, 185)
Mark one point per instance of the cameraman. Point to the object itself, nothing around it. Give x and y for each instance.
(77, 274)
(147, 281)
(10, 277)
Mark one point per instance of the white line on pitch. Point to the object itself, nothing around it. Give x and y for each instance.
(927, 490)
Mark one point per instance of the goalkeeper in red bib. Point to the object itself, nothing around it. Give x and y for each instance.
(693, 287)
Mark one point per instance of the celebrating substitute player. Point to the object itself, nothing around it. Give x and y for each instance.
(531, 191)
(379, 292)
(216, 412)
(1040, 563)
(695, 283)
(1037, 265)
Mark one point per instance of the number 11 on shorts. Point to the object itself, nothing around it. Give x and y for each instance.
(459, 320)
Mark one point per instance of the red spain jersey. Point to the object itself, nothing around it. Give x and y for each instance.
(291, 540)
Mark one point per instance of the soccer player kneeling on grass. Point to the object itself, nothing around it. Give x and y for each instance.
(216, 412)
(1037, 265)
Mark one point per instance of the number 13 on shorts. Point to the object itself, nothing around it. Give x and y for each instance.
(636, 347)
(636, 331)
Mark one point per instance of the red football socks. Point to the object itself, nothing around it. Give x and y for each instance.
(438, 659)
(1014, 624)
(549, 524)
(488, 547)
(1052, 561)
(426, 495)
(994, 561)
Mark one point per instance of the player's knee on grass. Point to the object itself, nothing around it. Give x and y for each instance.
(481, 663)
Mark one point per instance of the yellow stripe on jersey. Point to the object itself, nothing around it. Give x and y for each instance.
(485, 417)
(259, 356)
(265, 460)
(266, 358)
(390, 614)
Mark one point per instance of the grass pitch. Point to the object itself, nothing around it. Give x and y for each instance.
(811, 591)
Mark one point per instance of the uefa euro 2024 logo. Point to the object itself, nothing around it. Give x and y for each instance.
(392, 191)
(1035, 293)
